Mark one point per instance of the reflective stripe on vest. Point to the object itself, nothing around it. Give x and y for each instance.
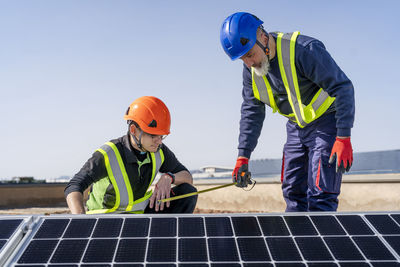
(302, 114)
(124, 199)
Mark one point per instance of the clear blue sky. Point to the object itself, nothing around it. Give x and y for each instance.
(69, 69)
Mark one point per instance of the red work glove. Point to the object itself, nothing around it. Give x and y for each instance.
(241, 174)
(343, 153)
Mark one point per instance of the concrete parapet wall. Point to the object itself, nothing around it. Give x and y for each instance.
(359, 193)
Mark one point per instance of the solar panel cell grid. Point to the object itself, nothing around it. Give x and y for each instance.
(136, 227)
(246, 226)
(218, 226)
(354, 225)
(52, 228)
(131, 250)
(191, 226)
(215, 240)
(384, 224)
(193, 249)
(327, 225)
(253, 249)
(7, 227)
(343, 248)
(163, 227)
(273, 226)
(300, 225)
(107, 228)
(313, 249)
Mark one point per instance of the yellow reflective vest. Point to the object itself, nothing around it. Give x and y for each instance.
(124, 199)
(302, 114)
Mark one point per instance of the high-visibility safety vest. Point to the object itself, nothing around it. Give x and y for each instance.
(302, 114)
(124, 199)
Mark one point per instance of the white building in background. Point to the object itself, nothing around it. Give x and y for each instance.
(213, 171)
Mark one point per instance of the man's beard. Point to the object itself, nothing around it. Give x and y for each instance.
(264, 68)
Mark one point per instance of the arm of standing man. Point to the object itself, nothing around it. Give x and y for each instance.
(251, 123)
(318, 65)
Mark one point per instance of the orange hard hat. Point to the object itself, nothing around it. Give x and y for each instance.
(151, 114)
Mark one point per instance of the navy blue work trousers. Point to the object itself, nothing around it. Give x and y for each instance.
(309, 182)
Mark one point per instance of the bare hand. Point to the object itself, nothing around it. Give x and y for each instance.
(162, 190)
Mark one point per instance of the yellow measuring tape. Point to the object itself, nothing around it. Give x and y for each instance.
(195, 193)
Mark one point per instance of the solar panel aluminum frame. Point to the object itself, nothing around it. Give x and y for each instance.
(16, 237)
(363, 215)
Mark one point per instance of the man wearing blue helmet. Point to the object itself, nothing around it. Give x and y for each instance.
(296, 76)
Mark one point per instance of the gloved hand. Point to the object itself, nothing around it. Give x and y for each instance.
(241, 174)
(343, 153)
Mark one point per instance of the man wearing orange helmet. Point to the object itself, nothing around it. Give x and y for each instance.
(122, 170)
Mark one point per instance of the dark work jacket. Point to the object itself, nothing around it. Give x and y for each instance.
(94, 169)
(315, 69)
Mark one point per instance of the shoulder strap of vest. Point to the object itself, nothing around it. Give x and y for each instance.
(286, 59)
(157, 159)
(118, 176)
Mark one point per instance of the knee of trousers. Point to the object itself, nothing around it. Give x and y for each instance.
(186, 188)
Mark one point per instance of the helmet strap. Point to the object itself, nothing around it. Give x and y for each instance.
(138, 142)
(264, 48)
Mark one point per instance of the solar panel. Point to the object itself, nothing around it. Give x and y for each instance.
(252, 240)
(12, 230)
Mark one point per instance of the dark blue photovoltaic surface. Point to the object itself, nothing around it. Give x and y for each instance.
(222, 249)
(38, 251)
(52, 228)
(69, 251)
(191, 226)
(2, 243)
(312, 239)
(396, 217)
(273, 226)
(327, 225)
(7, 227)
(131, 250)
(253, 249)
(193, 265)
(283, 249)
(300, 225)
(384, 224)
(136, 227)
(81, 228)
(163, 227)
(258, 264)
(343, 248)
(354, 264)
(246, 226)
(100, 250)
(313, 249)
(354, 225)
(218, 226)
(192, 249)
(162, 250)
(373, 248)
(107, 227)
(394, 242)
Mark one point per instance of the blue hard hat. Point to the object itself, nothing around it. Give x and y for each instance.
(239, 34)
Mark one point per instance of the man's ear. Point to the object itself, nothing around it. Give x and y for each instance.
(265, 38)
(132, 129)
